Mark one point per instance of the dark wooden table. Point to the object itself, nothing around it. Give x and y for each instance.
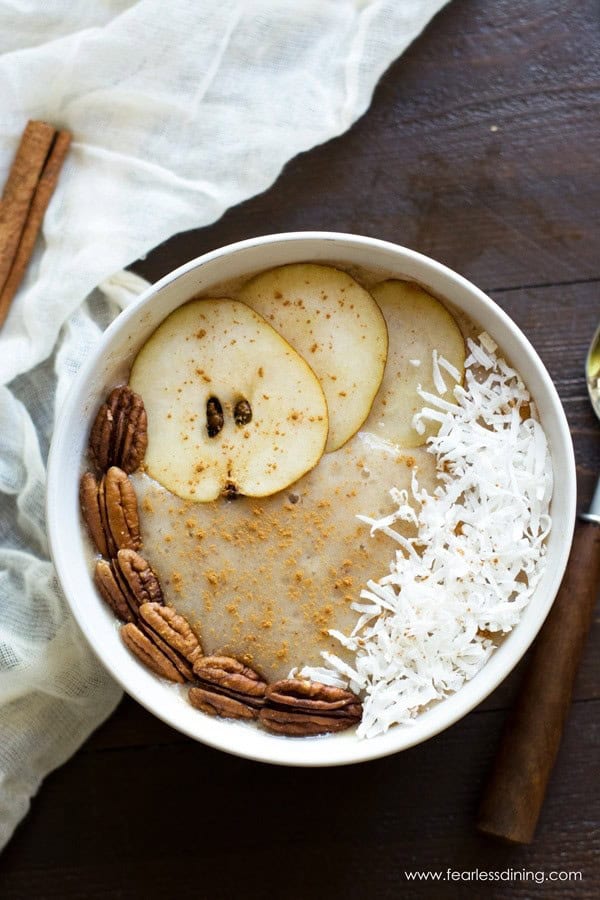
(481, 148)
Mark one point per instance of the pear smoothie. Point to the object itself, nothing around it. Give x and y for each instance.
(344, 492)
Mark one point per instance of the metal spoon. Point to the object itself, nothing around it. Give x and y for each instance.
(513, 798)
(592, 376)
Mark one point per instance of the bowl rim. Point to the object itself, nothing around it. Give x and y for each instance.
(454, 709)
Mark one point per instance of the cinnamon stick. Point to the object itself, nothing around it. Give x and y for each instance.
(30, 185)
(514, 795)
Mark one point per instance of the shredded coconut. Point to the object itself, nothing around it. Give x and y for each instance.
(438, 378)
(450, 369)
(474, 559)
(487, 342)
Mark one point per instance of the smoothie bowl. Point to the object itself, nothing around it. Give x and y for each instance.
(311, 498)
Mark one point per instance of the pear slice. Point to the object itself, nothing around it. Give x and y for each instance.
(417, 325)
(335, 324)
(232, 408)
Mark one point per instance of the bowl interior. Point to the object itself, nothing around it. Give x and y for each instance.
(110, 363)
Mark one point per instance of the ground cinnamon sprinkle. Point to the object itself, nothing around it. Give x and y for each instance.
(177, 582)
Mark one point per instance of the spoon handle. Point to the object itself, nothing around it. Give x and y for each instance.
(514, 795)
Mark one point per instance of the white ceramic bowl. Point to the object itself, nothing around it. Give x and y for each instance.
(110, 362)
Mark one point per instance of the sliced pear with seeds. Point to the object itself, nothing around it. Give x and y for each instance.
(232, 408)
(335, 324)
(417, 325)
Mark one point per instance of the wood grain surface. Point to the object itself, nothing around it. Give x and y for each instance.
(481, 148)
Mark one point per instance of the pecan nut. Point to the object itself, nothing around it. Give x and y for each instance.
(90, 509)
(149, 654)
(110, 541)
(302, 708)
(119, 435)
(223, 677)
(304, 724)
(112, 591)
(126, 583)
(110, 511)
(139, 578)
(172, 628)
(172, 634)
(122, 510)
(220, 704)
(180, 663)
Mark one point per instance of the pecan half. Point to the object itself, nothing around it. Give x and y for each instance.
(172, 628)
(119, 435)
(302, 708)
(220, 704)
(90, 510)
(112, 592)
(126, 583)
(172, 634)
(181, 664)
(149, 654)
(110, 511)
(110, 541)
(122, 510)
(139, 578)
(223, 677)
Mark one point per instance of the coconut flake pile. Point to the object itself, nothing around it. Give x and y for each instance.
(475, 556)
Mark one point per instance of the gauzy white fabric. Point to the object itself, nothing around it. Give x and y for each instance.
(178, 111)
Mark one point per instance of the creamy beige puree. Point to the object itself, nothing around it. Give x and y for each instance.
(265, 579)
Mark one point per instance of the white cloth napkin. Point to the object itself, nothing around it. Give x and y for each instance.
(178, 111)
